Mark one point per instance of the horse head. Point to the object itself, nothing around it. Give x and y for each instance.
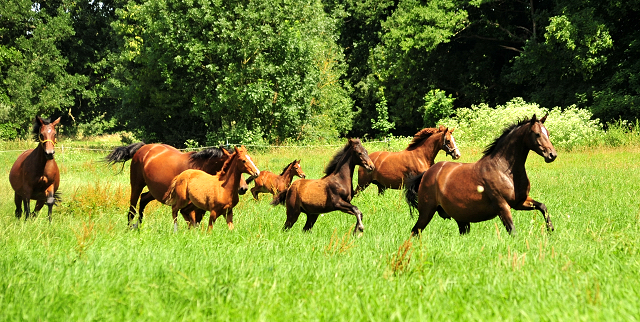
(247, 165)
(47, 135)
(297, 170)
(449, 143)
(363, 159)
(538, 139)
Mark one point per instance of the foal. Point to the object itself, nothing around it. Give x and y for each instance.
(217, 194)
(35, 174)
(269, 182)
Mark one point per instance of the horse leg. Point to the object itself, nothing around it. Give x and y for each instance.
(189, 215)
(137, 184)
(18, 201)
(51, 200)
(213, 215)
(505, 215)
(36, 209)
(442, 213)
(254, 192)
(292, 216)
(311, 220)
(463, 227)
(425, 214)
(347, 207)
(25, 202)
(229, 218)
(145, 199)
(381, 188)
(531, 204)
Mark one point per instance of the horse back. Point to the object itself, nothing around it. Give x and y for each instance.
(155, 165)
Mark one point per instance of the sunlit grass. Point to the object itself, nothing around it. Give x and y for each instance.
(87, 265)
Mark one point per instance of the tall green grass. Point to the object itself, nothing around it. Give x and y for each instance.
(87, 265)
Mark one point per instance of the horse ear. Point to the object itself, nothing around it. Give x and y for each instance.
(544, 118)
(225, 151)
(235, 148)
(534, 119)
(39, 120)
(54, 123)
(441, 128)
(453, 129)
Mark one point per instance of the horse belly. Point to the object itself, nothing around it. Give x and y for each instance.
(458, 194)
(390, 170)
(158, 176)
(314, 198)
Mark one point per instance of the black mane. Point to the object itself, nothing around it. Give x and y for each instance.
(422, 136)
(287, 167)
(207, 154)
(333, 164)
(507, 130)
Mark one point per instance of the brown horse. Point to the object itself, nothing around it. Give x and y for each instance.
(474, 192)
(217, 194)
(155, 165)
(269, 182)
(35, 174)
(332, 192)
(393, 168)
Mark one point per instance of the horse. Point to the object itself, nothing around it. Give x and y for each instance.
(217, 194)
(490, 187)
(392, 168)
(35, 174)
(269, 182)
(331, 192)
(155, 165)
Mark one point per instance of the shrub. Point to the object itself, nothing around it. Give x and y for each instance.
(568, 128)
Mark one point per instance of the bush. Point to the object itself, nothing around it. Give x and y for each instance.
(568, 128)
(437, 105)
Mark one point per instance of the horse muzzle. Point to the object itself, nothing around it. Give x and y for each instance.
(550, 156)
(369, 166)
(49, 155)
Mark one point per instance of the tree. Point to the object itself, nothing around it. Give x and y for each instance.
(243, 70)
(32, 68)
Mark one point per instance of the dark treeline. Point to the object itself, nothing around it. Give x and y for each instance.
(269, 71)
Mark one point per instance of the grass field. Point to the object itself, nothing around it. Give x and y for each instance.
(87, 265)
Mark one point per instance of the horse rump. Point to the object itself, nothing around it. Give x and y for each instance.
(280, 198)
(123, 153)
(412, 184)
(169, 197)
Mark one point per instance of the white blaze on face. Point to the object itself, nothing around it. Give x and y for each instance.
(253, 165)
(455, 147)
(544, 131)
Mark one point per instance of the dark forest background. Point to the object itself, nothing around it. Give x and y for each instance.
(271, 71)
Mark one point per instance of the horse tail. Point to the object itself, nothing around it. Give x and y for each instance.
(123, 153)
(280, 198)
(412, 184)
(169, 197)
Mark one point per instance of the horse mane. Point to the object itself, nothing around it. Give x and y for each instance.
(287, 167)
(421, 136)
(507, 130)
(35, 130)
(333, 164)
(207, 154)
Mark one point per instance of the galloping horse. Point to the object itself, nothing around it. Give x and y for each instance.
(269, 182)
(155, 165)
(217, 194)
(474, 192)
(35, 174)
(393, 168)
(332, 192)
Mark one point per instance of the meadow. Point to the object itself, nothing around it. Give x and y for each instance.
(88, 266)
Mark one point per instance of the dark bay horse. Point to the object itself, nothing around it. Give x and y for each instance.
(269, 182)
(332, 192)
(217, 194)
(393, 168)
(155, 165)
(35, 174)
(474, 192)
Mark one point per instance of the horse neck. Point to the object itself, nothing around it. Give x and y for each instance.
(429, 149)
(513, 153)
(345, 169)
(212, 165)
(39, 156)
(231, 175)
(287, 176)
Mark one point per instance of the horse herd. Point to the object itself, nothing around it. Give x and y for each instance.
(193, 183)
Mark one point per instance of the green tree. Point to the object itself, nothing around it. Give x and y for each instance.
(244, 70)
(32, 67)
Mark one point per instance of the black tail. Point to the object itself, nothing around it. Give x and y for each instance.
(411, 191)
(280, 198)
(123, 153)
